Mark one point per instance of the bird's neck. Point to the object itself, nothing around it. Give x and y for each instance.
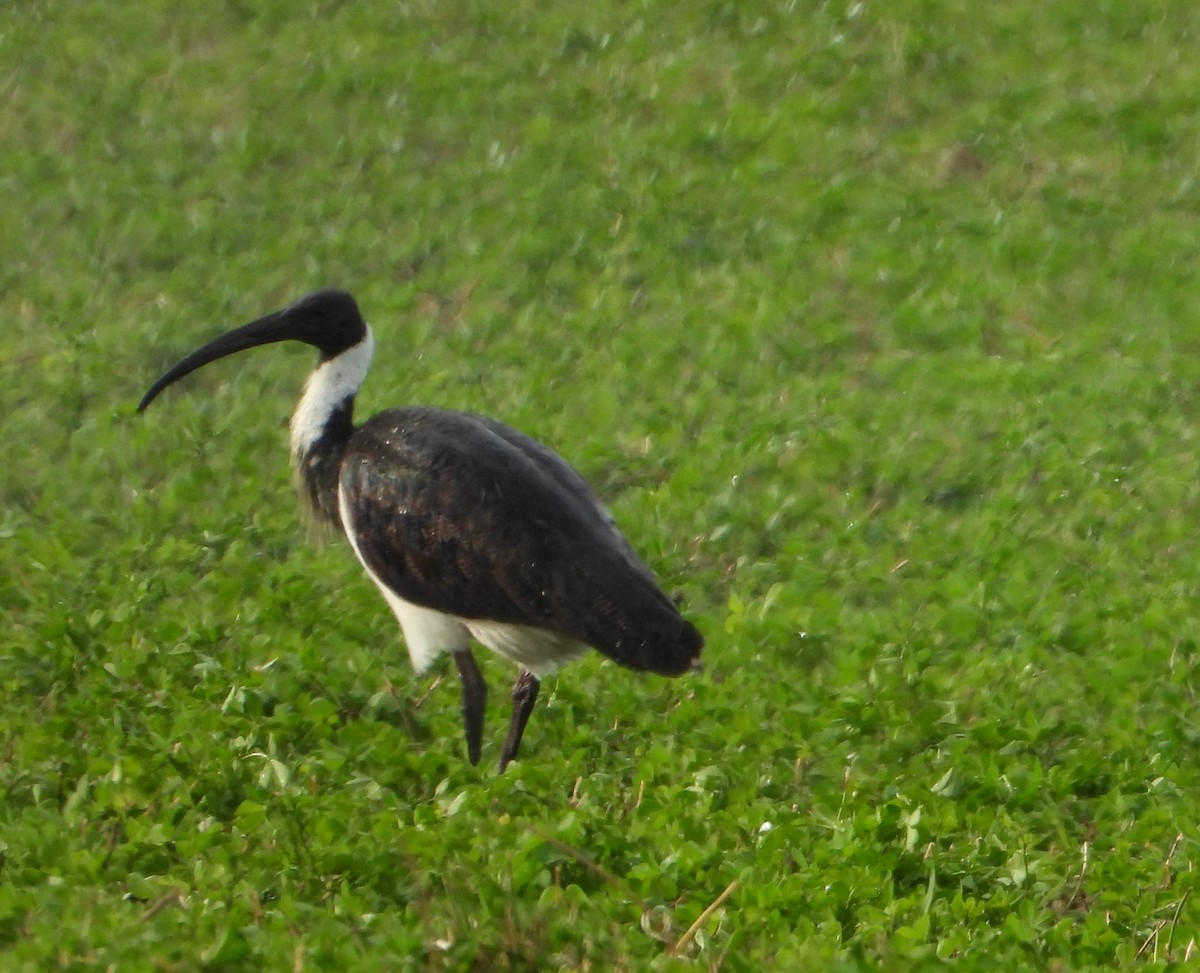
(322, 425)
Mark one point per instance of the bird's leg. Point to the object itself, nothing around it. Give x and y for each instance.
(524, 695)
(474, 696)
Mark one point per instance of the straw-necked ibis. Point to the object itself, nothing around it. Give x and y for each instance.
(468, 527)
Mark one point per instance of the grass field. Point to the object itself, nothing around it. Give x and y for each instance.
(875, 324)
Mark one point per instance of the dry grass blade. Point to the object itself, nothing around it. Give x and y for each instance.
(158, 905)
(682, 941)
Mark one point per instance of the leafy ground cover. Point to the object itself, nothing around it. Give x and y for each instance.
(876, 326)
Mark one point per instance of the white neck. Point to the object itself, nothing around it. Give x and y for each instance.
(327, 388)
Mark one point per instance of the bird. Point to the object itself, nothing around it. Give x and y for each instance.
(471, 530)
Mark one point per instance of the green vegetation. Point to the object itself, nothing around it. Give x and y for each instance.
(876, 324)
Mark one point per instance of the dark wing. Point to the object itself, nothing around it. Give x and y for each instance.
(566, 476)
(468, 517)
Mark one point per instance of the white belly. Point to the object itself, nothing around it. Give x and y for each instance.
(536, 649)
(429, 633)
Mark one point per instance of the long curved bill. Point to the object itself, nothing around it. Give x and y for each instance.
(274, 327)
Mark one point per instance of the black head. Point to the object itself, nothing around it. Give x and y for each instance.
(329, 320)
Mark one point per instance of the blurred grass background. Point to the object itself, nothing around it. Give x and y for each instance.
(874, 324)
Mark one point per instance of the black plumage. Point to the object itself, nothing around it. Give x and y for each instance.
(468, 527)
(463, 515)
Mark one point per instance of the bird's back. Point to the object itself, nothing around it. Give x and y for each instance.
(466, 516)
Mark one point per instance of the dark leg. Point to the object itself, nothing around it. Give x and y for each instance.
(524, 695)
(474, 696)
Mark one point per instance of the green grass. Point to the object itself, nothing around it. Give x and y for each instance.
(876, 324)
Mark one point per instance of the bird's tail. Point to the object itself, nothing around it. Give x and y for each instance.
(639, 627)
(668, 651)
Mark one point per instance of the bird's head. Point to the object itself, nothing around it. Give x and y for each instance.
(329, 320)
